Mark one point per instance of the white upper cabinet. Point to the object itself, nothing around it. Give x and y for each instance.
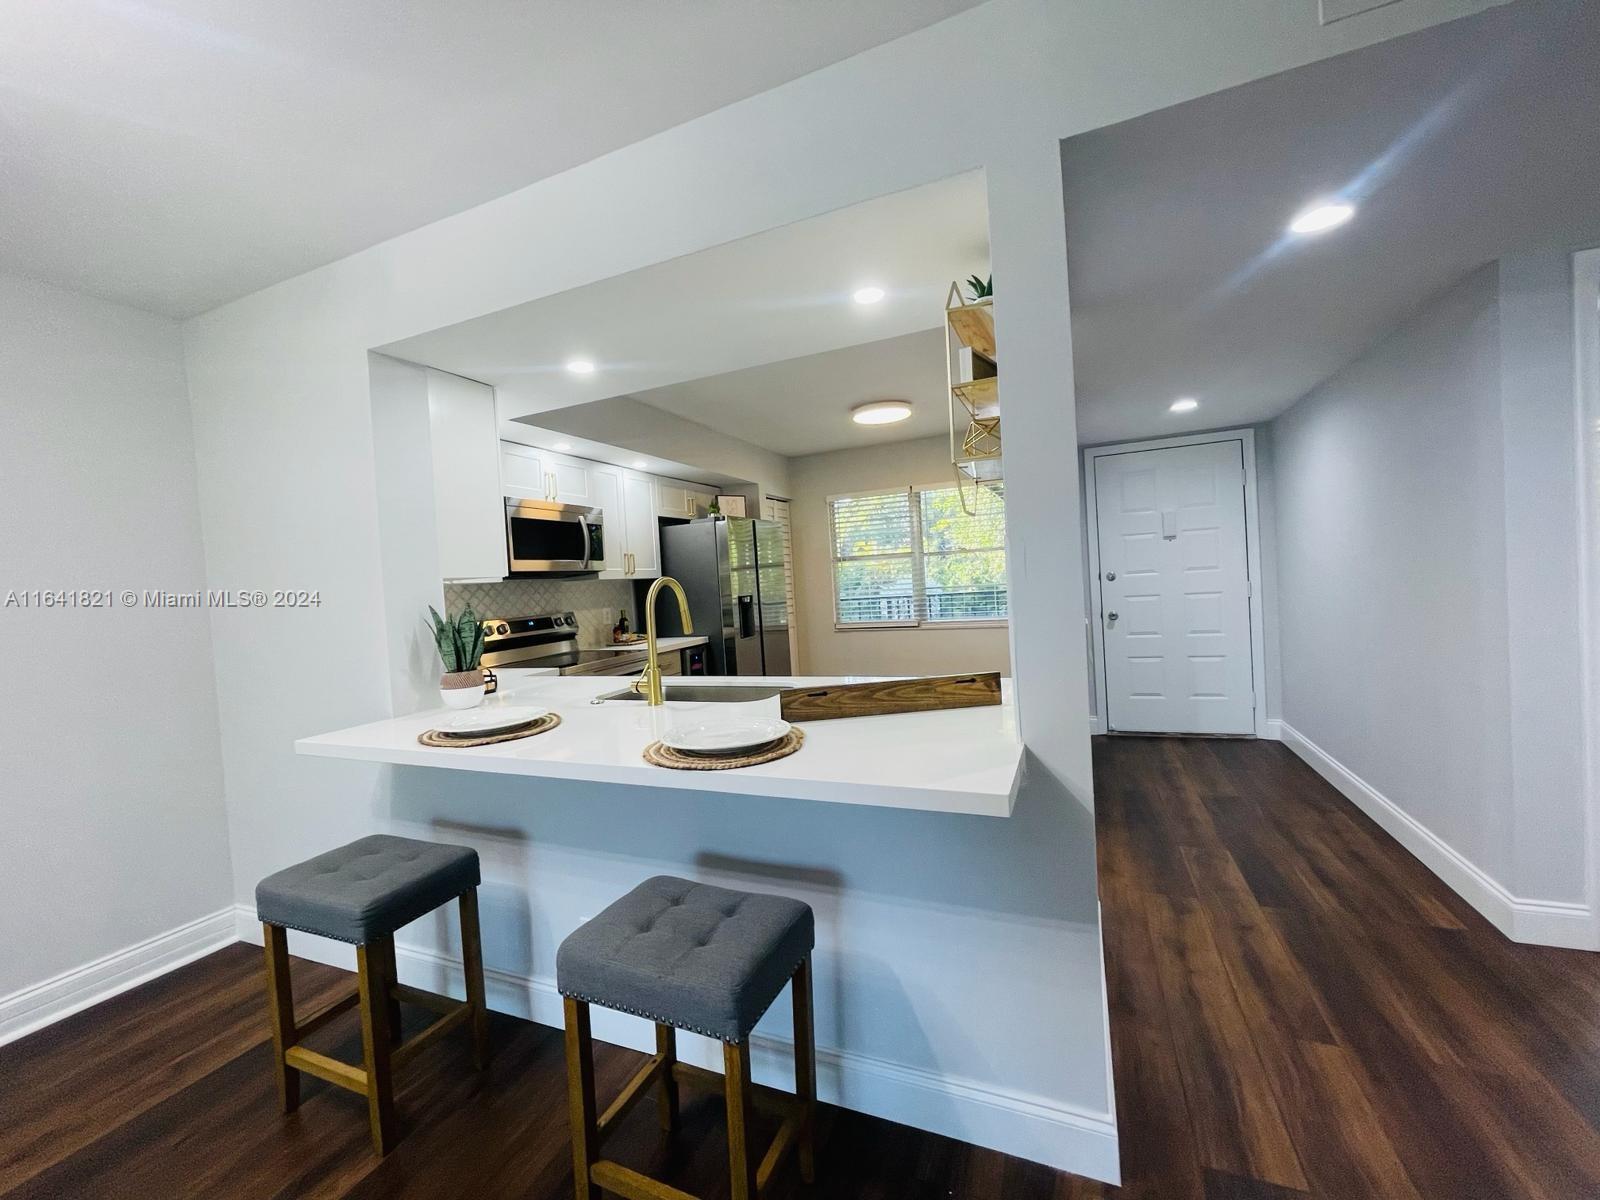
(468, 508)
(675, 498)
(522, 472)
(630, 502)
(700, 500)
(569, 479)
(642, 536)
(535, 474)
(605, 488)
(672, 499)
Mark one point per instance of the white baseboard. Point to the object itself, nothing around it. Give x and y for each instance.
(1536, 922)
(1096, 725)
(1272, 730)
(1032, 1127)
(41, 1004)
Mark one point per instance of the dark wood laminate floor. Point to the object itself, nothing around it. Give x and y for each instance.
(1298, 1009)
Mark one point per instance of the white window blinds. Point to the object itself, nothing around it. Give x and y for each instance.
(915, 556)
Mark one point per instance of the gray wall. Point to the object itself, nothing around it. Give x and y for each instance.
(112, 782)
(1542, 503)
(1426, 570)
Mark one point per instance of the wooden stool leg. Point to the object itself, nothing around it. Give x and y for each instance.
(375, 1044)
(472, 969)
(805, 1068)
(667, 1098)
(580, 1097)
(280, 1011)
(391, 977)
(736, 1084)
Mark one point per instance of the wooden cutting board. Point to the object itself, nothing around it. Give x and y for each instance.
(925, 694)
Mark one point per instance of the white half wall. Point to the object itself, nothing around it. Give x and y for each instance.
(114, 829)
(289, 481)
(824, 650)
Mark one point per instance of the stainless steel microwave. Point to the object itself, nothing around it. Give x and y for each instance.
(544, 537)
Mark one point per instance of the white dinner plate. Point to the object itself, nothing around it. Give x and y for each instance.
(725, 736)
(480, 721)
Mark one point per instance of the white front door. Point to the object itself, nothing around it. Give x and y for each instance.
(1175, 589)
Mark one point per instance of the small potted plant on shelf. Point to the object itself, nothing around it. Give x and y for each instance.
(460, 643)
(980, 289)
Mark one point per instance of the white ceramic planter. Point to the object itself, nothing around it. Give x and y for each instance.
(461, 689)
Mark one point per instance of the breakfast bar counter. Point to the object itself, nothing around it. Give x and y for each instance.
(966, 760)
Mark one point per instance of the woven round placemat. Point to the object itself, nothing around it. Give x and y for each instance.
(432, 737)
(665, 756)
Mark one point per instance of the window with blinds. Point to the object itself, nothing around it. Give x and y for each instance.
(916, 557)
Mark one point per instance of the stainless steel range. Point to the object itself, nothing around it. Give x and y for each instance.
(551, 640)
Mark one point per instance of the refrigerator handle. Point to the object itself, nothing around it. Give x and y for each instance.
(747, 616)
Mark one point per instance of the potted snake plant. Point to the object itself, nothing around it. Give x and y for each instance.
(460, 643)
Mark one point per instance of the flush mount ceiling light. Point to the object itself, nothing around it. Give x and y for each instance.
(868, 295)
(580, 366)
(881, 412)
(1186, 404)
(1322, 216)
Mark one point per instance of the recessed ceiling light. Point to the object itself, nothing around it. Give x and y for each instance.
(881, 412)
(1321, 217)
(562, 446)
(639, 464)
(868, 295)
(1187, 404)
(580, 366)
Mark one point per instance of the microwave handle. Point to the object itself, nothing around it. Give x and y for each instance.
(588, 541)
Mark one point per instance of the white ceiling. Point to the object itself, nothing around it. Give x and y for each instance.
(175, 154)
(1460, 144)
(802, 405)
(758, 337)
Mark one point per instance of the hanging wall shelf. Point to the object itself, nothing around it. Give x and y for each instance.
(974, 398)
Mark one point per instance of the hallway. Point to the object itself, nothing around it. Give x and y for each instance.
(1300, 1008)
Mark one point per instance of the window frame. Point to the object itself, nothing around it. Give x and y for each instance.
(912, 492)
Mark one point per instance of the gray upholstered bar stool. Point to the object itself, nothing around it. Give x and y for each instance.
(709, 960)
(362, 893)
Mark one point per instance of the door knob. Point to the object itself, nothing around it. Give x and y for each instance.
(1111, 616)
(1111, 576)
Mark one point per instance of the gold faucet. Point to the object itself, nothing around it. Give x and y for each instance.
(650, 681)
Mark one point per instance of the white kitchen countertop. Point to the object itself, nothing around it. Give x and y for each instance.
(956, 761)
(664, 645)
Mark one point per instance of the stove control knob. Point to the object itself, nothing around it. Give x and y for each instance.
(502, 629)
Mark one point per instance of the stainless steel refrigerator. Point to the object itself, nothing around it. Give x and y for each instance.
(732, 569)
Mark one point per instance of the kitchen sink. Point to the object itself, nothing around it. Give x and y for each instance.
(706, 693)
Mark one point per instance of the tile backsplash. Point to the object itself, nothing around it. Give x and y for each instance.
(595, 602)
